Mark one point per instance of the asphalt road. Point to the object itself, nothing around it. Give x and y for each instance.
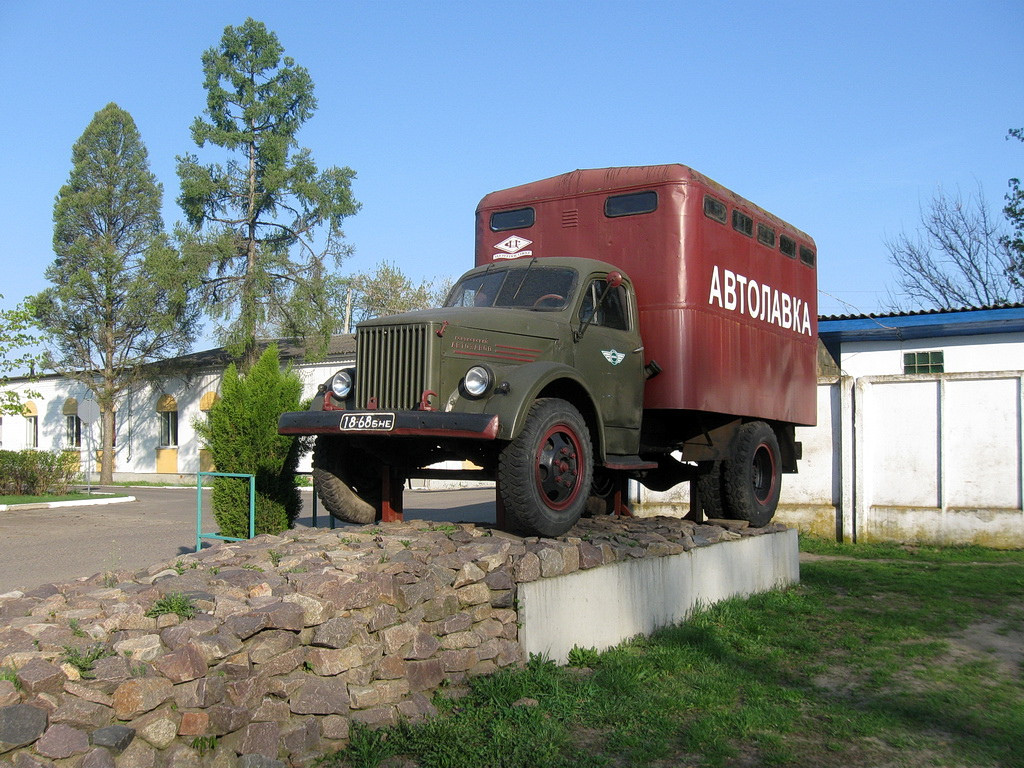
(49, 545)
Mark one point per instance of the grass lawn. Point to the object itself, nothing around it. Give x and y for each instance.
(48, 498)
(881, 656)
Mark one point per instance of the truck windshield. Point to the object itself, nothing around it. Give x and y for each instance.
(527, 287)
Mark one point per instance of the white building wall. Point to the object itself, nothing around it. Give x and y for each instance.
(962, 354)
(138, 421)
(934, 459)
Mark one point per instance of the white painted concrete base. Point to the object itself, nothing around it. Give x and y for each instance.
(601, 607)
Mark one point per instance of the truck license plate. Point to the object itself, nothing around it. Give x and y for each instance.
(375, 422)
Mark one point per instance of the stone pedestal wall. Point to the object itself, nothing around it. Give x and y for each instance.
(281, 643)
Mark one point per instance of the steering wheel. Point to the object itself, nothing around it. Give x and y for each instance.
(549, 297)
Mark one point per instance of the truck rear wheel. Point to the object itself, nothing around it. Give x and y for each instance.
(545, 473)
(752, 475)
(347, 485)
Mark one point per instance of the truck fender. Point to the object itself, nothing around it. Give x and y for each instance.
(528, 382)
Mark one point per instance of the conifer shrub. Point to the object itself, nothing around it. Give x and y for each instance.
(241, 433)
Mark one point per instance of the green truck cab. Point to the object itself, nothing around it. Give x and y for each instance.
(533, 371)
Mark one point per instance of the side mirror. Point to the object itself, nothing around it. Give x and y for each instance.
(614, 279)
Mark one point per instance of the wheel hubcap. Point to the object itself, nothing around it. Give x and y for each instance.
(763, 474)
(558, 468)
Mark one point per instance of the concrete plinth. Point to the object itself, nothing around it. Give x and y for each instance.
(601, 607)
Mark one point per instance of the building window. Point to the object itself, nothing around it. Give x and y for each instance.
(168, 429)
(72, 424)
(167, 410)
(31, 431)
(73, 431)
(923, 362)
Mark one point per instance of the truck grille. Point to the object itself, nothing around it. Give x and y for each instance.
(391, 365)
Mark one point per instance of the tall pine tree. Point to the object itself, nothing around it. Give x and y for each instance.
(265, 226)
(120, 294)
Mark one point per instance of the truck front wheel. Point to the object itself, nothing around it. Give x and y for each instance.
(752, 475)
(545, 473)
(347, 484)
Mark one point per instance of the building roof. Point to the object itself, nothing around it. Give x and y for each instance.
(930, 323)
(341, 346)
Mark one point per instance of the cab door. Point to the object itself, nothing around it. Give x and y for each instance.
(609, 356)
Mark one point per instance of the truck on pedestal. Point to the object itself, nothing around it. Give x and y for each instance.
(636, 323)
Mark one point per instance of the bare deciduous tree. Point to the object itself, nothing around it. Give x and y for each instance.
(959, 257)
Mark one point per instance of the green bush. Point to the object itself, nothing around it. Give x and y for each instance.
(34, 473)
(241, 433)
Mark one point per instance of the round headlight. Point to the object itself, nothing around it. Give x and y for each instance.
(341, 384)
(477, 381)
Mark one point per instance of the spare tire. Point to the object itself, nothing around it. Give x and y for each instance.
(348, 487)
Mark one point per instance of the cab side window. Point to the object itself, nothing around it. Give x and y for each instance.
(613, 313)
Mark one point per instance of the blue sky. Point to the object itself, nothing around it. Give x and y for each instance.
(841, 118)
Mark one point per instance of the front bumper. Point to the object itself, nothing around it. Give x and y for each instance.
(474, 426)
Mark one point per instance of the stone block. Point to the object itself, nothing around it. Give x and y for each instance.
(97, 757)
(8, 693)
(138, 695)
(271, 643)
(378, 717)
(456, 640)
(261, 739)
(19, 725)
(158, 728)
(283, 664)
(259, 761)
(113, 737)
(377, 694)
(527, 568)
(60, 741)
(441, 606)
(271, 709)
(38, 676)
(138, 754)
(193, 724)
(301, 738)
(203, 692)
(328, 662)
(396, 637)
(246, 625)
(470, 573)
(315, 612)
(184, 664)
(225, 718)
(422, 646)
(473, 594)
(320, 696)
(425, 675)
(80, 713)
(247, 692)
(334, 727)
(390, 668)
(337, 632)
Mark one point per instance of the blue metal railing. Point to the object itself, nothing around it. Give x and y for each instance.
(199, 507)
